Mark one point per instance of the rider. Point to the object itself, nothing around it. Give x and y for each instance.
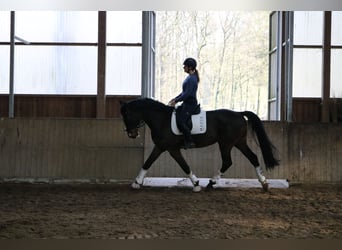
(189, 99)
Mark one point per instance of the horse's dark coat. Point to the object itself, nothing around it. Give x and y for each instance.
(227, 128)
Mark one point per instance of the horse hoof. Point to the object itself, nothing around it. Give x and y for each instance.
(264, 186)
(135, 185)
(211, 184)
(197, 189)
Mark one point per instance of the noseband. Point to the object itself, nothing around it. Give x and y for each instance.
(140, 124)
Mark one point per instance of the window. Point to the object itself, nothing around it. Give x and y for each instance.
(57, 26)
(58, 60)
(307, 53)
(307, 73)
(274, 50)
(123, 71)
(5, 26)
(123, 66)
(124, 27)
(308, 28)
(312, 61)
(4, 69)
(55, 70)
(336, 31)
(61, 57)
(336, 74)
(4, 51)
(336, 55)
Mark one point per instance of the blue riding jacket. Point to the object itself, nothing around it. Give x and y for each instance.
(189, 99)
(189, 91)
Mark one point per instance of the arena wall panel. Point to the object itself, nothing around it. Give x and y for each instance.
(99, 150)
(309, 152)
(67, 149)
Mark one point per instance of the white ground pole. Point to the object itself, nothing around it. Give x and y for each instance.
(158, 182)
(222, 182)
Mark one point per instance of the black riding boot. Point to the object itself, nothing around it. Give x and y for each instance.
(188, 143)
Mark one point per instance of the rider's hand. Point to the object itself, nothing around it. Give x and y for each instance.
(172, 103)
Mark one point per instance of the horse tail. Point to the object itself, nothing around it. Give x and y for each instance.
(266, 146)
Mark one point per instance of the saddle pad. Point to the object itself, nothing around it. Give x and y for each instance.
(199, 123)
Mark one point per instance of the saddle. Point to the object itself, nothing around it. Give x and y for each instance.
(198, 122)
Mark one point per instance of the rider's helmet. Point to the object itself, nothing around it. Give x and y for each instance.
(190, 62)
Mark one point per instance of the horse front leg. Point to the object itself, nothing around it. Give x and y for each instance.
(176, 154)
(156, 152)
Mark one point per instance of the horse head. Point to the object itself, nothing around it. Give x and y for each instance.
(132, 119)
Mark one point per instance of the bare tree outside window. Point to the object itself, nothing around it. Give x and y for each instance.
(232, 52)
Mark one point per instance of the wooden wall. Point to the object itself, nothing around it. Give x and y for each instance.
(310, 110)
(67, 149)
(68, 106)
(309, 152)
(60, 106)
(336, 109)
(79, 149)
(306, 109)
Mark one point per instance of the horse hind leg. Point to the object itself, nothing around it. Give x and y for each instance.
(226, 163)
(177, 156)
(246, 151)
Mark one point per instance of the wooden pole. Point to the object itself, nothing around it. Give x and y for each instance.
(11, 74)
(101, 67)
(326, 61)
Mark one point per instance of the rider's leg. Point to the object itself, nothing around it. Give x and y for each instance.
(182, 116)
(188, 143)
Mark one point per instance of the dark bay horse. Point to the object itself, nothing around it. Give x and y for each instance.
(226, 127)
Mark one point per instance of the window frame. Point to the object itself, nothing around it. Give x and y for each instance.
(101, 95)
(284, 71)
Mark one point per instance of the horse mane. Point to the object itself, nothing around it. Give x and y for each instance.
(149, 104)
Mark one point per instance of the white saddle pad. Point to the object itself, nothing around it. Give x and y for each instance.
(199, 123)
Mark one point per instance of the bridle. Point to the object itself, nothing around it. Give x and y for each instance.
(133, 132)
(140, 124)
